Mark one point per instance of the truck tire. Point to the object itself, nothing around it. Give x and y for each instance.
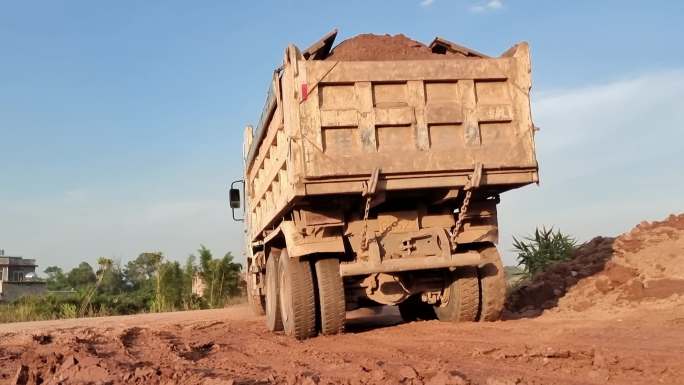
(256, 301)
(464, 296)
(413, 309)
(274, 321)
(330, 296)
(492, 284)
(297, 297)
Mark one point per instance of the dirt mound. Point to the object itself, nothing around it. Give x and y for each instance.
(370, 47)
(645, 264)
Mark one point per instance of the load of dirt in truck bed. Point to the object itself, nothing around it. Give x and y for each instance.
(645, 264)
(370, 47)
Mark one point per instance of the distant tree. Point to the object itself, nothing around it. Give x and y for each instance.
(104, 265)
(56, 279)
(171, 291)
(190, 300)
(112, 279)
(82, 276)
(230, 273)
(155, 260)
(221, 277)
(205, 262)
(141, 271)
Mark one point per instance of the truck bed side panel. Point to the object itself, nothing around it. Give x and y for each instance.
(413, 117)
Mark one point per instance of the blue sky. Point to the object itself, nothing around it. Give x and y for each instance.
(121, 122)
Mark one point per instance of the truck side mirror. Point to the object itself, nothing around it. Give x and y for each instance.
(234, 198)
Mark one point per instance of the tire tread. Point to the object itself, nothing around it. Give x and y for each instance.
(464, 297)
(492, 285)
(299, 283)
(331, 296)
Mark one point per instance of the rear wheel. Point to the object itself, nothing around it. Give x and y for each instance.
(463, 293)
(273, 312)
(297, 301)
(256, 301)
(330, 296)
(413, 309)
(492, 285)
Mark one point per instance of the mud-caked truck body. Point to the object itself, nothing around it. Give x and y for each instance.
(377, 182)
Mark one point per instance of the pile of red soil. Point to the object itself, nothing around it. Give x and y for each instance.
(645, 264)
(370, 47)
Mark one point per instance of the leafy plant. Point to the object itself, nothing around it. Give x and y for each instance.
(536, 253)
(68, 310)
(221, 277)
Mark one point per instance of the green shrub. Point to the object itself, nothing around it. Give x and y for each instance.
(536, 253)
(68, 310)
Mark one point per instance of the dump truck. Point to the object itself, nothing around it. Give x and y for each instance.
(373, 178)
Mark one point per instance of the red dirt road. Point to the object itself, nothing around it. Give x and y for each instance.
(614, 314)
(229, 346)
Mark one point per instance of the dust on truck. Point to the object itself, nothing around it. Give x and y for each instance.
(373, 177)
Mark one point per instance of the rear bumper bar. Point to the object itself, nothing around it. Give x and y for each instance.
(470, 258)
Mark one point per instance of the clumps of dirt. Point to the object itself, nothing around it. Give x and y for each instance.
(381, 372)
(42, 339)
(128, 336)
(197, 352)
(61, 359)
(370, 47)
(644, 264)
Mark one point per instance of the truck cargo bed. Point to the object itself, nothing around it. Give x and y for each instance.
(329, 124)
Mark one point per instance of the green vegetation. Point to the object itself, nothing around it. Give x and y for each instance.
(536, 253)
(513, 274)
(149, 283)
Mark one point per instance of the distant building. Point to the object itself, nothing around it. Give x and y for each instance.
(198, 285)
(18, 278)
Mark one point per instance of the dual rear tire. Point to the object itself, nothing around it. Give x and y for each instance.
(274, 320)
(301, 303)
(472, 294)
(461, 304)
(256, 301)
(463, 293)
(492, 285)
(303, 297)
(331, 301)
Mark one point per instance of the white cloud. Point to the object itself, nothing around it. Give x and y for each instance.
(426, 3)
(609, 157)
(490, 5)
(495, 4)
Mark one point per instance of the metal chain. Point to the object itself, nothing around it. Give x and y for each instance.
(368, 191)
(461, 216)
(473, 183)
(364, 238)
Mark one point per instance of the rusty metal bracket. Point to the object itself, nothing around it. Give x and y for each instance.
(370, 186)
(475, 177)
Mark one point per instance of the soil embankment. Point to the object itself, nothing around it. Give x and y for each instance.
(642, 266)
